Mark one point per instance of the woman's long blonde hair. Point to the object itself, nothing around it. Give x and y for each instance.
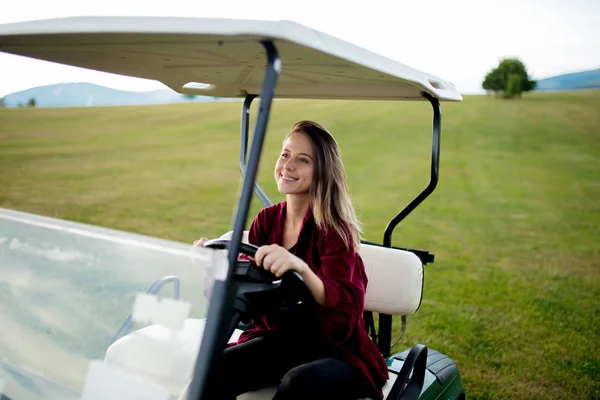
(330, 202)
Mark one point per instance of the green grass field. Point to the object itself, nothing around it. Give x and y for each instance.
(514, 293)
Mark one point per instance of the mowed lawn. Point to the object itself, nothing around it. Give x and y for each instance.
(514, 293)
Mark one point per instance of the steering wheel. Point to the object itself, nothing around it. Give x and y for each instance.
(259, 274)
(263, 289)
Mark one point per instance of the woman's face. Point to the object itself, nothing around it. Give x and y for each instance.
(295, 166)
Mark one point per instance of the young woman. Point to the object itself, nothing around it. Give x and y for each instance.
(324, 352)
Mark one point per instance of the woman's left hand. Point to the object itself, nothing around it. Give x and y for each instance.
(278, 260)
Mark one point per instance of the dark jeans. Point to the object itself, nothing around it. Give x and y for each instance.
(300, 370)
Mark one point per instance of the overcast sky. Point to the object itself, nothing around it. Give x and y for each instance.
(457, 40)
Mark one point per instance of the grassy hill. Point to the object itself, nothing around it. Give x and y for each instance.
(573, 81)
(514, 223)
(89, 94)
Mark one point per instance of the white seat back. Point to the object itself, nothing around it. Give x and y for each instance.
(395, 280)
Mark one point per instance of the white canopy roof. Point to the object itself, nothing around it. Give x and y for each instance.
(225, 53)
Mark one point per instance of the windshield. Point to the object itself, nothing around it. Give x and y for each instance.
(93, 313)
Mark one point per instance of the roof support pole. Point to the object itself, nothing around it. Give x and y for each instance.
(218, 327)
(384, 335)
(435, 167)
(244, 147)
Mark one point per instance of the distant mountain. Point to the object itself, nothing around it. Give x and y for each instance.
(577, 80)
(88, 94)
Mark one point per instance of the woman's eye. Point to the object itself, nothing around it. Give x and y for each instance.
(304, 160)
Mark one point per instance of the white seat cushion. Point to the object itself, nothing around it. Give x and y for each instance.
(269, 392)
(156, 352)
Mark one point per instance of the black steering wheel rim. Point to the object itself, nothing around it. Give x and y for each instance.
(245, 248)
(291, 281)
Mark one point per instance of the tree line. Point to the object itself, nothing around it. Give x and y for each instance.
(30, 103)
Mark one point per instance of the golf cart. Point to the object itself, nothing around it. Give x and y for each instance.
(166, 347)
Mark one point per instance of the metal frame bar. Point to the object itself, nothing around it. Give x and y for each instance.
(220, 310)
(244, 147)
(384, 334)
(435, 169)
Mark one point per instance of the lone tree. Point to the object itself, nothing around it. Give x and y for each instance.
(31, 102)
(509, 79)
